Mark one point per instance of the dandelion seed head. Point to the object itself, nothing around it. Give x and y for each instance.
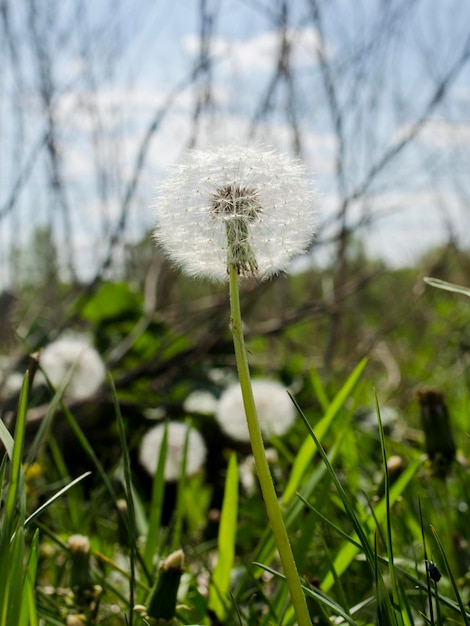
(150, 446)
(232, 202)
(200, 402)
(74, 351)
(276, 411)
(246, 201)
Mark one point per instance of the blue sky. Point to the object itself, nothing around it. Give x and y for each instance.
(114, 65)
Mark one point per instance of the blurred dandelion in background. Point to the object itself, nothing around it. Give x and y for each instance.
(202, 402)
(276, 411)
(74, 351)
(150, 446)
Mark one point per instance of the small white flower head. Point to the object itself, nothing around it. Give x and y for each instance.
(11, 383)
(242, 206)
(276, 411)
(79, 544)
(74, 351)
(202, 402)
(150, 446)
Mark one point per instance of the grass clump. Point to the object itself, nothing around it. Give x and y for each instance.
(378, 529)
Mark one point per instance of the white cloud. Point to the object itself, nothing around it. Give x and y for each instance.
(440, 133)
(410, 222)
(260, 53)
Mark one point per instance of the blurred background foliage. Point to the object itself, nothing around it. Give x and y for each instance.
(161, 333)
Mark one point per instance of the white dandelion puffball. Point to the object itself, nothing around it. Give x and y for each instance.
(152, 441)
(74, 351)
(202, 402)
(246, 206)
(276, 411)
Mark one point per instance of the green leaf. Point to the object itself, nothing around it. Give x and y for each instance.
(454, 584)
(319, 596)
(220, 583)
(156, 503)
(55, 497)
(111, 301)
(306, 453)
(28, 604)
(16, 484)
(348, 552)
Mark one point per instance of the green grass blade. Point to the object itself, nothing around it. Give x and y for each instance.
(266, 548)
(12, 579)
(220, 583)
(141, 522)
(6, 439)
(349, 551)
(46, 421)
(130, 501)
(16, 490)
(12, 543)
(443, 284)
(358, 526)
(28, 616)
(156, 503)
(55, 497)
(388, 520)
(180, 506)
(338, 584)
(305, 455)
(316, 594)
(416, 582)
(451, 578)
(72, 514)
(407, 613)
(385, 613)
(319, 390)
(428, 578)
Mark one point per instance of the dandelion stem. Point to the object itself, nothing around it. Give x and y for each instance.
(264, 475)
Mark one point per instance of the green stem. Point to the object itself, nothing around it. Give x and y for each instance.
(264, 475)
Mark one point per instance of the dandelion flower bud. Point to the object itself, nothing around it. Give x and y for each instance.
(276, 411)
(80, 574)
(74, 351)
(440, 446)
(152, 442)
(162, 603)
(75, 620)
(235, 206)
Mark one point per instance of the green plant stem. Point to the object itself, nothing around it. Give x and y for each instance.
(264, 475)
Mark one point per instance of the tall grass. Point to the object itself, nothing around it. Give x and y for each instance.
(363, 547)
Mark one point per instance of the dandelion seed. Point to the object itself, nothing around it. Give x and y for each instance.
(242, 206)
(276, 411)
(74, 351)
(151, 444)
